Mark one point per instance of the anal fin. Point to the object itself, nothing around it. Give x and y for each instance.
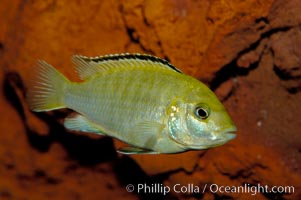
(80, 123)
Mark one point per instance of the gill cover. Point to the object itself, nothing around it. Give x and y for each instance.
(185, 127)
(177, 126)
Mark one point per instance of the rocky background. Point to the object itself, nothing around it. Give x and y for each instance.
(248, 52)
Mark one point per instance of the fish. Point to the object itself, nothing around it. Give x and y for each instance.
(139, 99)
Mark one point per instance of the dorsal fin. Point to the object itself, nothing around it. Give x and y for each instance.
(89, 66)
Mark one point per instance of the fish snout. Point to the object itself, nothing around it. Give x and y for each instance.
(225, 135)
(230, 133)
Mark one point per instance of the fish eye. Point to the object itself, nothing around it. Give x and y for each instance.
(202, 111)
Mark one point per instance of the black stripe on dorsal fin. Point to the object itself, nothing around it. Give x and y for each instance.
(88, 66)
(138, 56)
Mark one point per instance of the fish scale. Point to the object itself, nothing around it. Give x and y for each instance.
(127, 99)
(139, 99)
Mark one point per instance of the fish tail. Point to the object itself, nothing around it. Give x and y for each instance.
(46, 88)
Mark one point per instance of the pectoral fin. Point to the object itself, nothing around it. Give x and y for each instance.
(146, 134)
(148, 128)
(135, 150)
(80, 123)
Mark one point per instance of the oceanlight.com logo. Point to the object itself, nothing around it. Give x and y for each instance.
(159, 188)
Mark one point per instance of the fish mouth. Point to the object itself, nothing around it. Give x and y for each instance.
(213, 139)
(217, 139)
(230, 133)
(224, 135)
(223, 138)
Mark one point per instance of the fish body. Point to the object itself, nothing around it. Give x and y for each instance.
(139, 99)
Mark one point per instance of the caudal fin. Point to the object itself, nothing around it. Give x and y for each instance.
(46, 88)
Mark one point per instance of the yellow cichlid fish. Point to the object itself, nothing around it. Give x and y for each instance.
(141, 100)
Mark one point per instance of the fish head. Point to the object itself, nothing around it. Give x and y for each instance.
(200, 121)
